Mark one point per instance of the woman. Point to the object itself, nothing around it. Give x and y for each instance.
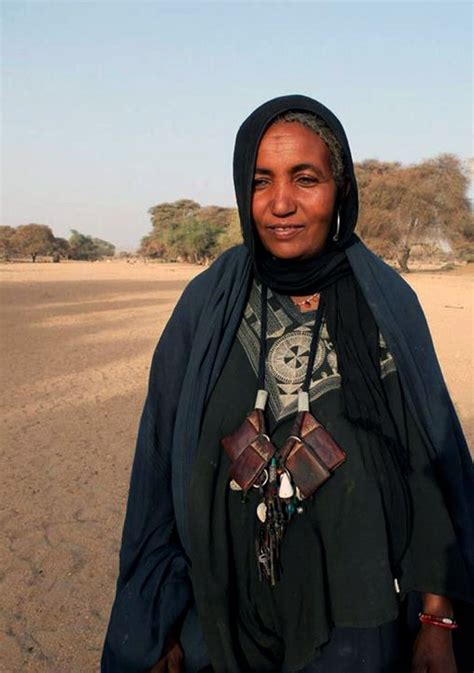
(299, 466)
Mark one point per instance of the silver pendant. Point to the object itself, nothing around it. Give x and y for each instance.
(260, 483)
(299, 495)
(286, 489)
(262, 512)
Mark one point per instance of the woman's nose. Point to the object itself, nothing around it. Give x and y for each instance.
(283, 203)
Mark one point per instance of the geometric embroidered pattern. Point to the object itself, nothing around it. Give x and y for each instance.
(289, 335)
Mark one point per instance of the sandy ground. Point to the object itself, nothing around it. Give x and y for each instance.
(77, 341)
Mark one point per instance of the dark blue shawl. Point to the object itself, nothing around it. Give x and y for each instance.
(154, 589)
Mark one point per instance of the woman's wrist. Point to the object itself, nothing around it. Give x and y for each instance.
(438, 606)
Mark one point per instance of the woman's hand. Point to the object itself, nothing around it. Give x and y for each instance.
(433, 648)
(172, 659)
(433, 651)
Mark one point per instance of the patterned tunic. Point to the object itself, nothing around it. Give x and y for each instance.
(335, 556)
(289, 335)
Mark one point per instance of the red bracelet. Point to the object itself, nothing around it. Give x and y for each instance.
(444, 622)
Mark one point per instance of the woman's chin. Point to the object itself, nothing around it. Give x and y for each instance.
(293, 253)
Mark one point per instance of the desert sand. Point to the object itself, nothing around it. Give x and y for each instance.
(77, 342)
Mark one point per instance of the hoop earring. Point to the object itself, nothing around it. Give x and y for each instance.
(338, 227)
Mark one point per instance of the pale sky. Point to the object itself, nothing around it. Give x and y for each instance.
(111, 107)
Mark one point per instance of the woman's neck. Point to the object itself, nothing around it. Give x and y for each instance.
(306, 302)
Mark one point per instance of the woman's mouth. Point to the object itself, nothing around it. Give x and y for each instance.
(283, 232)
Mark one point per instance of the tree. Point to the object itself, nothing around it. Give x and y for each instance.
(193, 240)
(165, 241)
(83, 247)
(80, 246)
(232, 235)
(164, 215)
(150, 246)
(7, 244)
(184, 231)
(61, 248)
(198, 240)
(103, 248)
(423, 204)
(33, 240)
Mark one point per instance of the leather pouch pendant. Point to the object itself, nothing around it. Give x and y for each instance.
(251, 462)
(318, 438)
(252, 426)
(311, 454)
(249, 450)
(307, 471)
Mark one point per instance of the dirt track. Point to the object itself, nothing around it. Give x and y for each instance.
(77, 341)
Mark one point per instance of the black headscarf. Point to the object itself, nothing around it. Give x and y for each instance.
(350, 322)
(289, 276)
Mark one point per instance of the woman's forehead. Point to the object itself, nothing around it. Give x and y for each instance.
(293, 142)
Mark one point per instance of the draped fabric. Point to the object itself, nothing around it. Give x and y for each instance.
(337, 566)
(204, 325)
(154, 594)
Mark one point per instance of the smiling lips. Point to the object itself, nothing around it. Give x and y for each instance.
(283, 232)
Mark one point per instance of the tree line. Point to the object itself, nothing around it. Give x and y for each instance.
(421, 207)
(38, 240)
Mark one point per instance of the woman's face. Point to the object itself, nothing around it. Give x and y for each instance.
(294, 192)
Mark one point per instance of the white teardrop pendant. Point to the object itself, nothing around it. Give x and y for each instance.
(286, 488)
(262, 512)
(234, 486)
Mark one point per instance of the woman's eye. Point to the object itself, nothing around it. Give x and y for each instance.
(258, 183)
(306, 180)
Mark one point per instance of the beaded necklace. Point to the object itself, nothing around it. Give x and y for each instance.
(306, 302)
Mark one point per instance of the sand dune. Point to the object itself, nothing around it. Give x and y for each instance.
(77, 341)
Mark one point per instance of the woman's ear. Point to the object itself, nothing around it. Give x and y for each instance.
(343, 191)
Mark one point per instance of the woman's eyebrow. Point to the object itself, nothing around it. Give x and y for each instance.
(307, 167)
(294, 169)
